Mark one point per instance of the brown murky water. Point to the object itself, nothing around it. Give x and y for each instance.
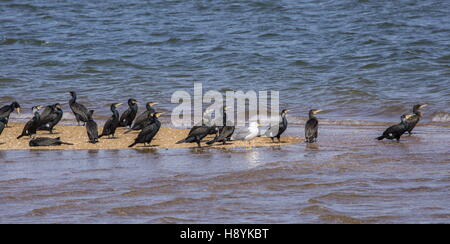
(348, 177)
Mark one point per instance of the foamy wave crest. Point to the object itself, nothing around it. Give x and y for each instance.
(441, 117)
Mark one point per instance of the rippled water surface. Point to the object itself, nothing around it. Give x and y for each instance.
(357, 59)
(364, 62)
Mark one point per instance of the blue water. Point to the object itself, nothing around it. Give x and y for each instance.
(366, 60)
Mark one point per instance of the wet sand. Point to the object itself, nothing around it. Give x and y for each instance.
(166, 138)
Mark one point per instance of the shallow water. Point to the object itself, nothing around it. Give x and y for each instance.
(348, 177)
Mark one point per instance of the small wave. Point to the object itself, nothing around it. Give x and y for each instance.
(315, 209)
(369, 41)
(422, 42)
(68, 76)
(171, 220)
(372, 66)
(173, 40)
(132, 211)
(49, 63)
(266, 5)
(45, 211)
(300, 63)
(22, 6)
(268, 35)
(341, 219)
(114, 62)
(217, 48)
(6, 79)
(14, 181)
(441, 117)
(420, 189)
(389, 25)
(33, 42)
(444, 58)
(101, 61)
(302, 120)
(132, 43)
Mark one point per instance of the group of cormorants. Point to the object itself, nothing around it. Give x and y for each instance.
(149, 124)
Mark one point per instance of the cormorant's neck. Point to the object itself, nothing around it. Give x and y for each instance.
(312, 115)
(224, 117)
(74, 99)
(283, 118)
(37, 116)
(418, 113)
(11, 108)
(114, 111)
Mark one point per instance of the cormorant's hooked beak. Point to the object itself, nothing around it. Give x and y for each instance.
(118, 105)
(225, 108)
(423, 106)
(153, 104)
(158, 114)
(18, 110)
(317, 111)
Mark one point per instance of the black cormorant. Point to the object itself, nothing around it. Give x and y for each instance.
(278, 130)
(5, 111)
(415, 118)
(126, 120)
(31, 126)
(312, 126)
(79, 110)
(45, 142)
(50, 117)
(225, 131)
(196, 134)
(206, 121)
(396, 131)
(91, 128)
(3, 122)
(142, 120)
(149, 132)
(112, 123)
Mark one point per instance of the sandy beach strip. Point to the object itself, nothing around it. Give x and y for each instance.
(166, 138)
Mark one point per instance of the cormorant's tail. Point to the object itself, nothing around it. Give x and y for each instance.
(187, 140)
(20, 136)
(100, 136)
(211, 142)
(66, 143)
(181, 141)
(380, 138)
(128, 131)
(132, 145)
